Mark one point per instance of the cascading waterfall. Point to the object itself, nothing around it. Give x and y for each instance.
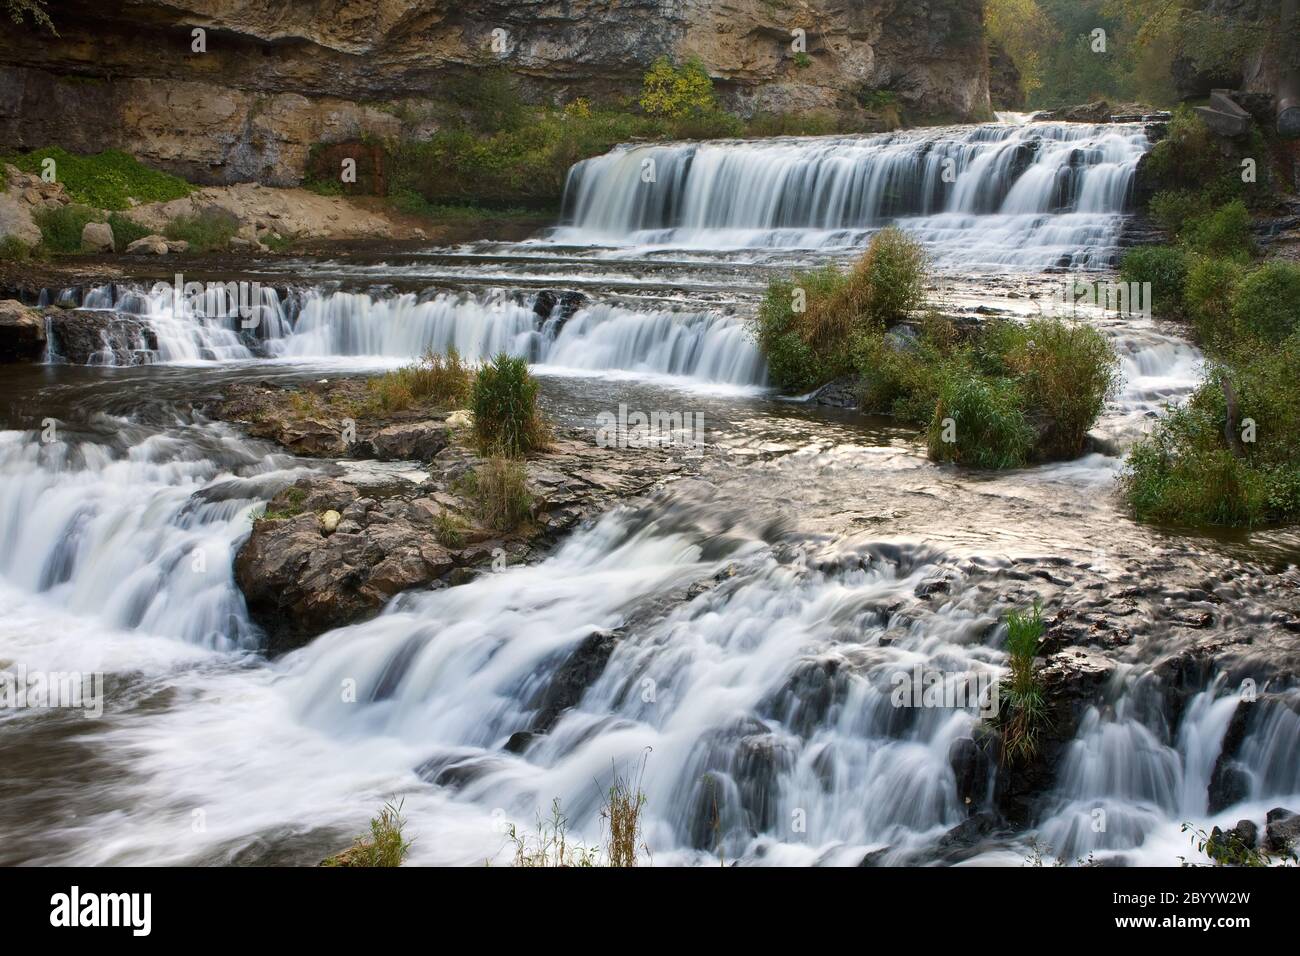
(703, 346)
(1031, 196)
(134, 526)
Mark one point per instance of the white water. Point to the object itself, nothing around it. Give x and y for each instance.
(767, 693)
(1025, 195)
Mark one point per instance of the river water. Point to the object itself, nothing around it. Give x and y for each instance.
(760, 609)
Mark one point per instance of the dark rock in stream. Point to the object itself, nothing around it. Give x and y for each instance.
(572, 678)
(100, 338)
(1229, 782)
(22, 332)
(1282, 831)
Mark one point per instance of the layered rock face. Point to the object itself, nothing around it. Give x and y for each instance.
(275, 78)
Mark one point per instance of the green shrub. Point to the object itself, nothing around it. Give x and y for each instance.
(1066, 372)
(1268, 302)
(792, 363)
(1174, 208)
(205, 231)
(1165, 267)
(1185, 473)
(125, 231)
(984, 417)
(449, 530)
(1209, 293)
(13, 249)
(108, 180)
(1223, 232)
(61, 226)
(503, 399)
(498, 491)
(677, 92)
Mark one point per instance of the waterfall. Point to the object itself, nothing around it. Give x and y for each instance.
(317, 324)
(134, 526)
(1029, 195)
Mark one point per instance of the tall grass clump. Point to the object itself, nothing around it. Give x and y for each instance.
(503, 398)
(433, 379)
(549, 845)
(206, 231)
(979, 422)
(498, 490)
(621, 814)
(1022, 712)
(1066, 372)
(385, 846)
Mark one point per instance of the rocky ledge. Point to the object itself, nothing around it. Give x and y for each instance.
(333, 548)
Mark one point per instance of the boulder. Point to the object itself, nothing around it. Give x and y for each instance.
(97, 237)
(156, 245)
(22, 332)
(1282, 831)
(410, 441)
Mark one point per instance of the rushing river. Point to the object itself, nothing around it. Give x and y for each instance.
(760, 608)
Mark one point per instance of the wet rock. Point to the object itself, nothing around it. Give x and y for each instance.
(22, 332)
(520, 741)
(411, 441)
(97, 237)
(1072, 680)
(1229, 782)
(1228, 845)
(845, 392)
(572, 678)
(972, 767)
(100, 338)
(1282, 831)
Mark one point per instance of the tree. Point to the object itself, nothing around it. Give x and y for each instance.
(20, 9)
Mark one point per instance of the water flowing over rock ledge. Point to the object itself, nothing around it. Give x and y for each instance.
(304, 571)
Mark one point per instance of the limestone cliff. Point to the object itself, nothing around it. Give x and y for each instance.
(276, 77)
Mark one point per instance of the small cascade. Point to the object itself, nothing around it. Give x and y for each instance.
(133, 526)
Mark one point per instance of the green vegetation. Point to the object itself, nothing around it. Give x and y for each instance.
(807, 326)
(620, 815)
(503, 399)
(1022, 710)
(13, 249)
(449, 530)
(206, 231)
(1062, 61)
(1228, 849)
(18, 10)
(125, 231)
(1205, 465)
(979, 422)
(386, 845)
(434, 379)
(498, 489)
(109, 180)
(997, 397)
(61, 226)
(287, 504)
(677, 91)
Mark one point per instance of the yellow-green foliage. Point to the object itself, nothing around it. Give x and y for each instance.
(677, 91)
(434, 379)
